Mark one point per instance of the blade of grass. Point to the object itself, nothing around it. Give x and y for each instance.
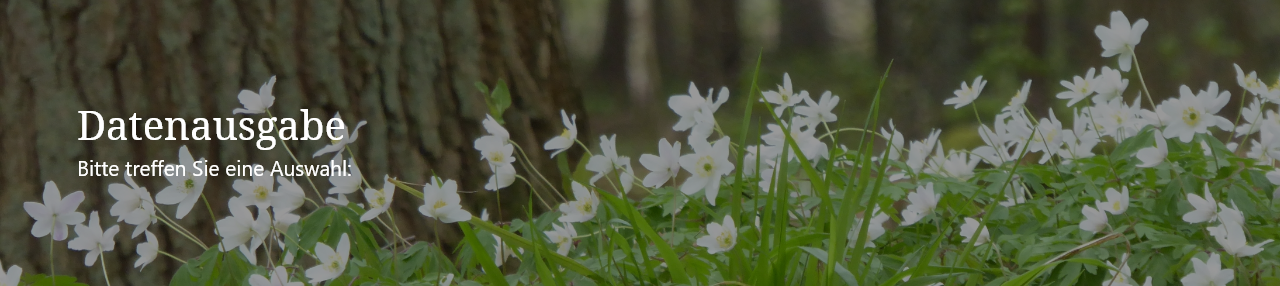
(490, 269)
(639, 222)
(837, 237)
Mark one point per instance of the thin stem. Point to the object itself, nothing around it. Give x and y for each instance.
(535, 192)
(164, 218)
(171, 256)
(295, 161)
(529, 165)
(105, 275)
(52, 267)
(975, 112)
(1145, 91)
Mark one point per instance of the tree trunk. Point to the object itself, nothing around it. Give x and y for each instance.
(408, 67)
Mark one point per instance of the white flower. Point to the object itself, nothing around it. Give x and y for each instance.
(502, 251)
(784, 97)
(1194, 113)
(347, 184)
(966, 94)
(896, 139)
(970, 226)
(663, 167)
(1117, 202)
(133, 205)
(803, 135)
(241, 228)
(1109, 85)
(379, 199)
(441, 201)
(147, 251)
(498, 153)
(875, 228)
(491, 125)
(1019, 99)
(1120, 38)
(708, 164)
(288, 197)
(1250, 81)
(720, 237)
(332, 263)
(607, 160)
(582, 209)
(923, 202)
(1208, 273)
(1095, 221)
(957, 165)
(11, 278)
(1078, 89)
(1230, 214)
(347, 138)
(1016, 193)
(1251, 115)
(93, 239)
(256, 103)
(1232, 238)
(1122, 277)
(1117, 119)
(819, 111)
(1047, 138)
(185, 189)
(1152, 156)
(256, 192)
(562, 237)
(56, 213)
(694, 110)
(279, 277)
(1205, 208)
(565, 140)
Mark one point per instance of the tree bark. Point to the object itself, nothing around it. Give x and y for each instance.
(408, 67)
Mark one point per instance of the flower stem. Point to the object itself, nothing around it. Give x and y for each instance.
(171, 256)
(295, 161)
(1145, 91)
(102, 256)
(52, 267)
(164, 218)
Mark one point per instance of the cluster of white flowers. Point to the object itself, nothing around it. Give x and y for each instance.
(703, 167)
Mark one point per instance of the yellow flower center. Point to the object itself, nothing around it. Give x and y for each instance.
(725, 239)
(439, 204)
(585, 207)
(381, 199)
(190, 184)
(1115, 206)
(708, 165)
(565, 133)
(1191, 116)
(261, 193)
(497, 157)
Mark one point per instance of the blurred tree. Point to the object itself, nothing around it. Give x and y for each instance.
(408, 67)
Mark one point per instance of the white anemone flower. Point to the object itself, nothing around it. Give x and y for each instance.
(147, 251)
(608, 159)
(288, 197)
(1019, 100)
(1078, 88)
(923, 202)
(1193, 113)
(1109, 85)
(379, 199)
(580, 210)
(720, 237)
(968, 229)
(499, 154)
(1232, 238)
(1205, 208)
(241, 228)
(784, 97)
(332, 262)
(694, 110)
(967, 94)
(1250, 81)
(441, 201)
(257, 103)
(1095, 221)
(185, 189)
(1120, 38)
(1123, 277)
(1152, 156)
(1117, 201)
(708, 164)
(256, 192)
(93, 239)
(502, 251)
(565, 140)
(821, 110)
(279, 277)
(562, 237)
(875, 228)
(491, 125)
(133, 205)
(345, 137)
(56, 213)
(344, 183)
(1208, 272)
(664, 167)
(11, 278)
